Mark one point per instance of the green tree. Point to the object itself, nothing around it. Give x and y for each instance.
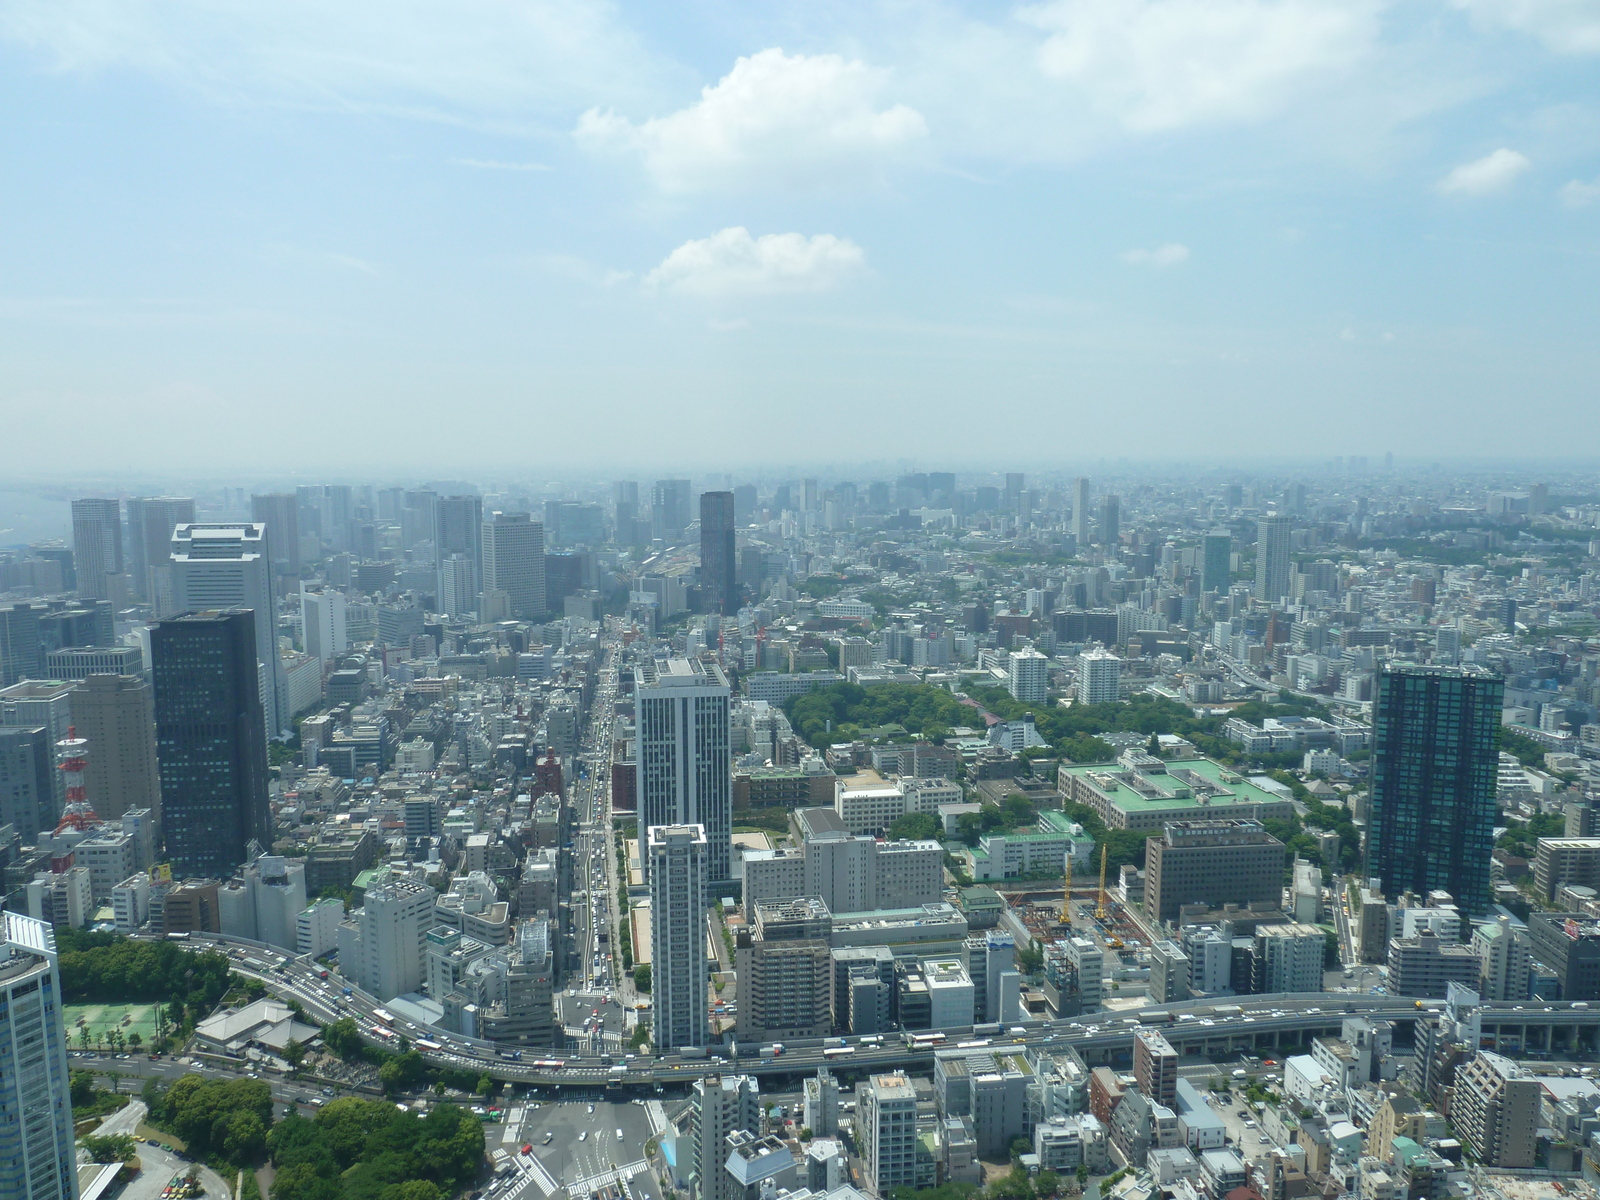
(642, 977)
(80, 1086)
(343, 1038)
(294, 1053)
(115, 1147)
(1048, 1183)
(915, 827)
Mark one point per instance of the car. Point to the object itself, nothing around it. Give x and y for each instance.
(583, 1135)
(619, 1135)
(591, 1109)
(526, 1149)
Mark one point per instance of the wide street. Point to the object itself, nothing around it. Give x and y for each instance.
(576, 1146)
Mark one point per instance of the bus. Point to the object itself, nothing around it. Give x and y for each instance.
(383, 1015)
(833, 1052)
(550, 1064)
(923, 1041)
(426, 1044)
(872, 1039)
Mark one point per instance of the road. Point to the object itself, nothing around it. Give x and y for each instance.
(285, 1092)
(578, 1147)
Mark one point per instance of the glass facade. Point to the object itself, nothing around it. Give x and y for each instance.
(1434, 760)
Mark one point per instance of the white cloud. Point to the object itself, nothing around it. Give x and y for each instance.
(1565, 26)
(1579, 194)
(1171, 255)
(787, 119)
(501, 59)
(732, 263)
(1163, 64)
(1492, 173)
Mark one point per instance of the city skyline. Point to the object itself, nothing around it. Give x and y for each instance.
(1204, 221)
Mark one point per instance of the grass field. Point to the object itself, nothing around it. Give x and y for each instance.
(140, 1019)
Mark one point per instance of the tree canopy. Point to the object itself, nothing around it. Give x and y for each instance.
(856, 711)
(370, 1150)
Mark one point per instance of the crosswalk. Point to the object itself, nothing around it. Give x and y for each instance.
(534, 1175)
(616, 1175)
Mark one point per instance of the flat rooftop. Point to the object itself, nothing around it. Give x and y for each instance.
(1190, 786)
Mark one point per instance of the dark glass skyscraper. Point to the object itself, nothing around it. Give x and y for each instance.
(719, 580)
(210, 740)
(1434, 766)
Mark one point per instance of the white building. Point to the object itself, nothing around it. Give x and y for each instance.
(950, 992)
(1290, 957)
(678, 857)
(316, 927)
(1099, 677)
(719, 1105)
(226, 566)
(40, 1161)
(685, 775)
(61, 898)
(264, 901)
(886, 1132)
(322, 623)
(869, 808)
(382, 948)
(1029, 676)
(130, 903)
(848, 873)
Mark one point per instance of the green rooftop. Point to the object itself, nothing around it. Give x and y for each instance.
(1183, 787)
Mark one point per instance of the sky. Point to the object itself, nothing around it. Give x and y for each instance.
(483, 235)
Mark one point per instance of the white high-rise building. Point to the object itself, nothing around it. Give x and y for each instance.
(316, 927)
(1081, 525)
(458, 551)
(226, 566)
(265, 902)
(719, 1105)
(685, 771)
(513, 563)
(1272, 559)
(37, 1157)
(322, 623)
(1099, 677)
(383, 947)
(1030, 675)
(678, 857)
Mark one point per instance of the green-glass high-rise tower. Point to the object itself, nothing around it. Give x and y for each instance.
(1434, 767)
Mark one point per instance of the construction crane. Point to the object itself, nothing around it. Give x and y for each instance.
(1100, 911)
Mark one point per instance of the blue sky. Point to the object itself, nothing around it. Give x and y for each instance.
(489, 234)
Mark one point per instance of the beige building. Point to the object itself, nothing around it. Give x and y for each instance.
(1496, 1111)
(886, 1133)
(1560, 862)
(785, 972)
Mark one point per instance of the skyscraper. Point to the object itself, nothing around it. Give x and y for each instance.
(225, 566)
(1217, 567)
(1080, 511)
(27, 779)
(1110, 519)
(1434, 765)
(37, 1158)
(210, 745)
(323, 630)
(1099, 677)
(677, 857)
(669, 509)
(513, 563)
(685, 773)
(97, 548)
(458, 535)
(280, 513)
(151, 520)
(719, 581)
(117, 714)
(383, 946)
(1014, 482)
(1272, 559)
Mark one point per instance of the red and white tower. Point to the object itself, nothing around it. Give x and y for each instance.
(71, 759)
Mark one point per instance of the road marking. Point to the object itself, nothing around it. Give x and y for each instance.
(616, 1175)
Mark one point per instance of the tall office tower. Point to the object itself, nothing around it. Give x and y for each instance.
(685, 773)
(1430, 823)
(678, 893)
(225, 566)
(323, 629)
(338, 511)
(1155, 1066)
(384, 944)
(21, 648)
(417, 519)
(151, 520)
(744, 502)
(280, 513)
(1014, 482)
(1110, 519)
(1081, 527)
(719, 576)
(308, 502)
(37, 1158)
(97, 548)
(1099, 677)
(625, 511)
(27, 780)
(719, 1105)
(1217, 568)
(1272, 559)
(117, 714)
(513, 563)
(46, 704)
(886, 1132)
(209, 740)
(810, 496)
(669, 509)
(1030, 676)
(458, 540)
